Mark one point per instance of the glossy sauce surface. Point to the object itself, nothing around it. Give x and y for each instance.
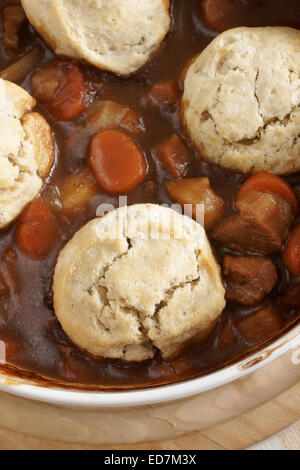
(34, 338)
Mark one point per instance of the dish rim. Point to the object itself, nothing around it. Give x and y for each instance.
(153, 396)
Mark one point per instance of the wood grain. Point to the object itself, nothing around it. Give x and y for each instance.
(235, 416)
(288, 439)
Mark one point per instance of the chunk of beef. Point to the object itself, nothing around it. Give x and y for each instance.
(174, 156)
(248, 279)
(261, 326)
(291, 296)
(14, 17)
(262, 226)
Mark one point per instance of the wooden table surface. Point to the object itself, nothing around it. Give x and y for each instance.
(288, 439)
(261, 410)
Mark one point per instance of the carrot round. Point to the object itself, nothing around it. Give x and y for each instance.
(267, 182)
(291, 255)
(70, 100)
(62, 89)
(117, 162)
(36, 231)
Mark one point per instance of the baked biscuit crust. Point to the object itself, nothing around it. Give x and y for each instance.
(115, 35)
(241, 103)
(127, 296)
(26, 151)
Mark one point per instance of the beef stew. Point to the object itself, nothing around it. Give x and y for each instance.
(78, 101)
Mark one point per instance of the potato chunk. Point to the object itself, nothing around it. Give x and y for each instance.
(78, 189)
(198, 191)
(106, 114)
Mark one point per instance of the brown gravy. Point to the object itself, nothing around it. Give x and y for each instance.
(35, 340)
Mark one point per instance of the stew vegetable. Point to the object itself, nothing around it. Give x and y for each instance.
(119, 136)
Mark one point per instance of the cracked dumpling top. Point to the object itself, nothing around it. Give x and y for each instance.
(26, 151)
(136, 280)
(115, 35)
(241, 103)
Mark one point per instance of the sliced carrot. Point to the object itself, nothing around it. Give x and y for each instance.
(175, 156)
(164, 94)
(117, 162)
(291, 255)
(36, 231)
(268, 183)
(220, 14)
(62, 89)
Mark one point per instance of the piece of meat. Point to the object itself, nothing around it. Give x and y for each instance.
(14, 17)
(262, 226)
(261, 326)
(174, 156)
(291, 296)
(248, 279)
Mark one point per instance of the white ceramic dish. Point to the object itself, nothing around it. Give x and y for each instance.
(70, 398)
